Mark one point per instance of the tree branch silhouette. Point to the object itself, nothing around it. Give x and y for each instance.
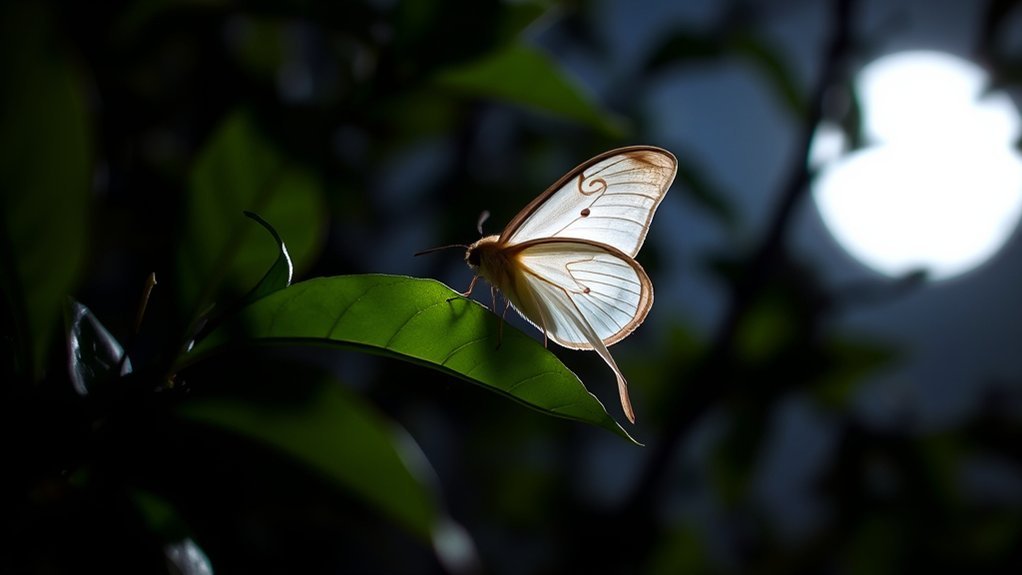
(711, 380)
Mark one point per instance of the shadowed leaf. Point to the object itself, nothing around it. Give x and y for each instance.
(332, 431)
(45, 174)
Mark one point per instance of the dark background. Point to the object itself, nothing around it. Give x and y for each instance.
(800, 412)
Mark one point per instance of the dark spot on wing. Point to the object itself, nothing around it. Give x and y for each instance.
(585, 212)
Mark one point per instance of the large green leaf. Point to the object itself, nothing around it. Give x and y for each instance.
(412, 319)
(521, 74)
(240, 170)
(45, 175)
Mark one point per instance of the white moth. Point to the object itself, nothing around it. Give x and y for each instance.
(566, 262)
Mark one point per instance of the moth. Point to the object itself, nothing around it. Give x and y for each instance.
(566, 262)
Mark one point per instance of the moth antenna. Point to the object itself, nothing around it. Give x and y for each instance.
(438, 248)
(485, 215)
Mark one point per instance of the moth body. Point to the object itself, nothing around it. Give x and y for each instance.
(566, 262)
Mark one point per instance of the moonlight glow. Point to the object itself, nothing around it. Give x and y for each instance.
(939, 187)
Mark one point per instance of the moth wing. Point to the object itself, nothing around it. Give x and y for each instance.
(583, 295)
(609, 199)
(606, 287)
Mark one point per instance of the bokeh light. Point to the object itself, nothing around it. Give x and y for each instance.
(938, 187)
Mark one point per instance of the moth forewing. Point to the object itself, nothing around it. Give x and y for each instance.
(609, 199)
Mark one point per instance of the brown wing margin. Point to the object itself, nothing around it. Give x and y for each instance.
(645, 286)
(634, 151)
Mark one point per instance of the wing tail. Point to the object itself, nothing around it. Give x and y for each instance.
(601, 349)
(555, 307)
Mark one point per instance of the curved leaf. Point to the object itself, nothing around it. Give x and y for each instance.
(279, 275)
(412, 319)
(523, 75)
(93, 352)
(239, 170)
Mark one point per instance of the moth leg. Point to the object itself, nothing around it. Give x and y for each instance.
(467, 292)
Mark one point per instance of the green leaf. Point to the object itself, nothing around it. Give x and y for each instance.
(93, 353)
(523, 75)
(341, 437)
(411, 319)
(278, 276)
(240, 170)
(45, 174)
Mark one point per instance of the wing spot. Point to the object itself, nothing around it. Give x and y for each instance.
(586, 290)
(585, 212)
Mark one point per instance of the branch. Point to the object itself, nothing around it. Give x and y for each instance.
(710, 380)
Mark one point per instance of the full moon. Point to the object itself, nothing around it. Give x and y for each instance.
(938, 186)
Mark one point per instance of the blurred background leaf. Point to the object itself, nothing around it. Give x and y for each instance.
(521, 74)
(383, 466)
(239, 170)
(45, 176)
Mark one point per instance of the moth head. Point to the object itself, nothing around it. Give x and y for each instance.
(476, 252)
(472, 257)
